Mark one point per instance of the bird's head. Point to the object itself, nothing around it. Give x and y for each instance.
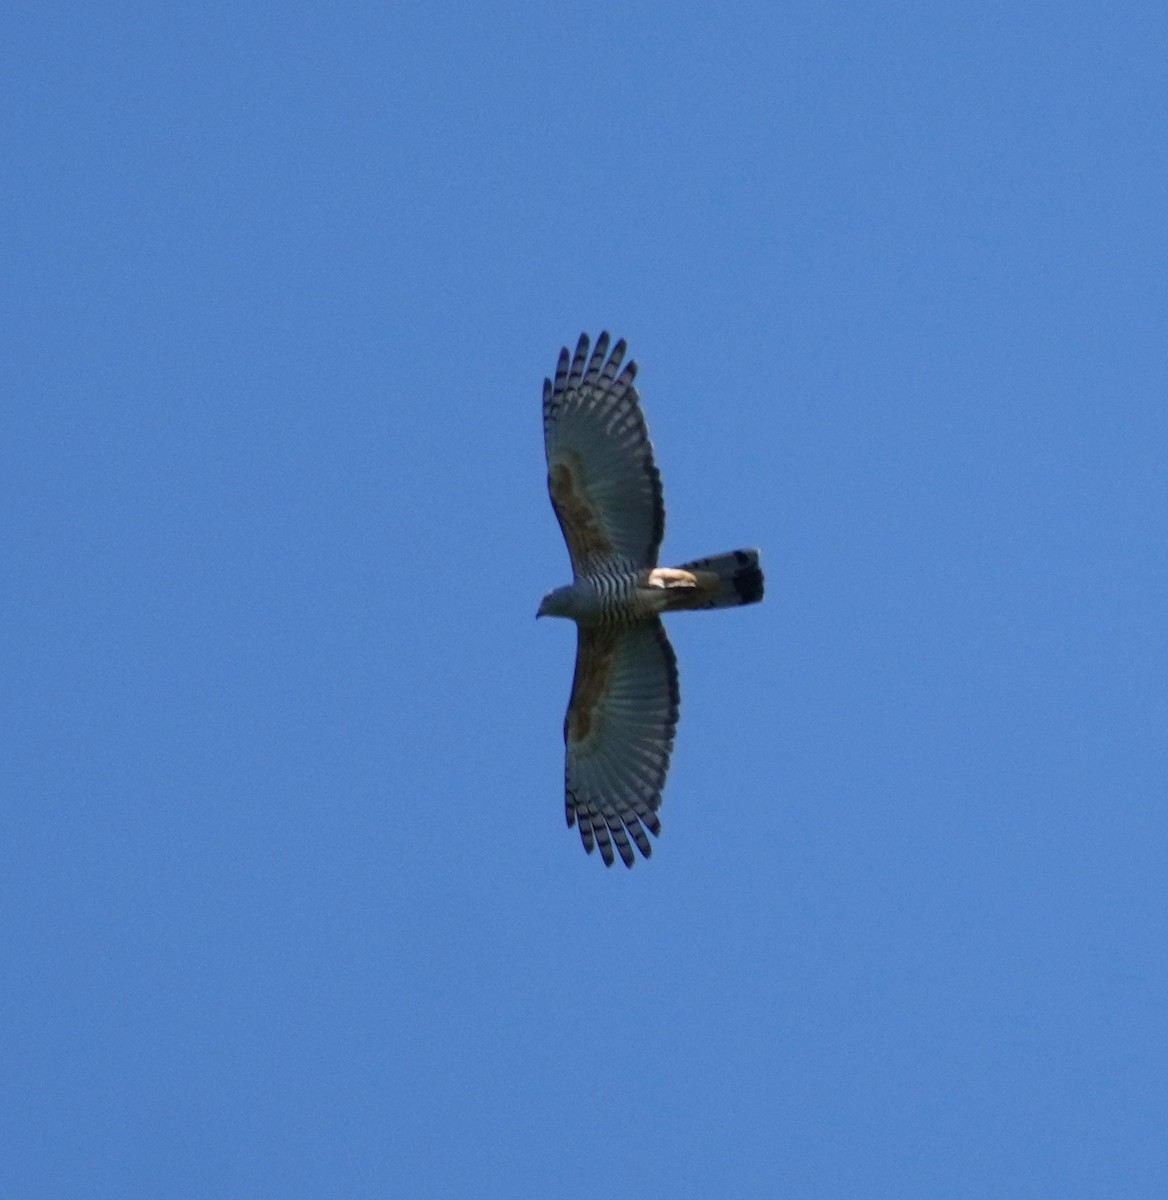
(555, 603)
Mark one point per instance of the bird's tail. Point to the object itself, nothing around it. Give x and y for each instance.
(725, 580)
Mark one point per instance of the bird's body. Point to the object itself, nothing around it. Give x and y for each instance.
(606, 492)
(598, 599)
(625, 597)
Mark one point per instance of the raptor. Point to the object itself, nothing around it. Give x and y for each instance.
(606, 492)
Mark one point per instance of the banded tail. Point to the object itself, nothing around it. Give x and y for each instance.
(725, 580)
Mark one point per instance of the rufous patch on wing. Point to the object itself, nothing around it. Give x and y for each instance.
(594, 660)
(578, 518)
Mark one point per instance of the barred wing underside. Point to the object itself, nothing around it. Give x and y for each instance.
(618, 736)
(602, 480)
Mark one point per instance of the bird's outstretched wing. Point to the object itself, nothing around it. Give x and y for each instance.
(603, 483)
(618, 735)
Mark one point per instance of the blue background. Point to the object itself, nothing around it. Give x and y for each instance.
(288, 904)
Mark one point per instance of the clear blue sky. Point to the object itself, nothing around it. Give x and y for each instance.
(289, 908)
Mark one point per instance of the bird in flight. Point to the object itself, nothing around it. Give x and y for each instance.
(606, 492)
